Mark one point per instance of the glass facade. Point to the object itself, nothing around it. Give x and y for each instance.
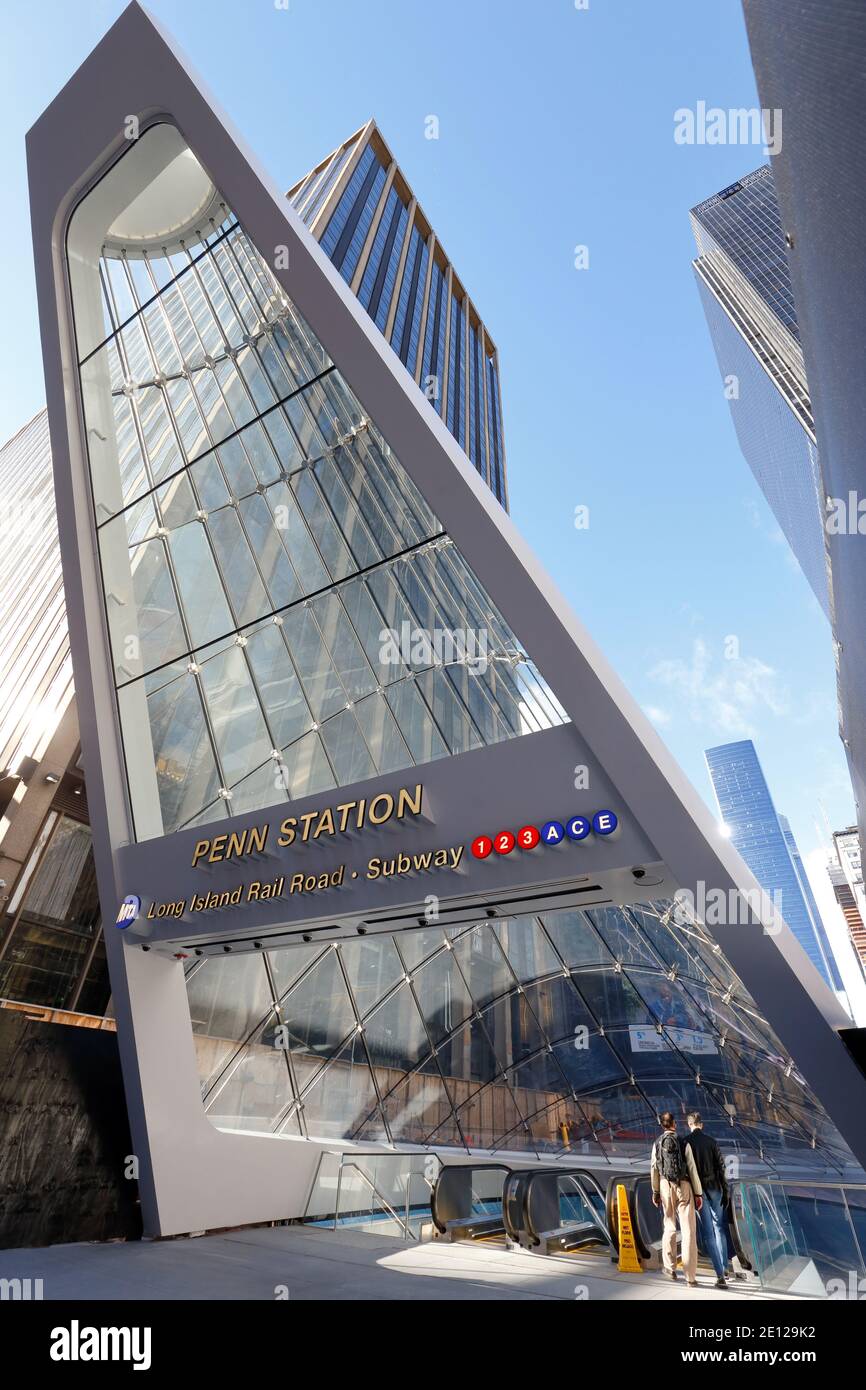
(407, 320)
(35, 666)
(811, 904)
(564, 1033)
(54, 954)
(764, 840)
(409, 298)
(773, 442)
(312, 194)
(258, 538)
(743, 222)
(745, 287)
(433, 367)
(456, 417)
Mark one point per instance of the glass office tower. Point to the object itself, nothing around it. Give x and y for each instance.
(765, 841)
(745, 288)
(363, 213)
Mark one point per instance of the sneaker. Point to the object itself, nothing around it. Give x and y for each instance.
(721, 1283)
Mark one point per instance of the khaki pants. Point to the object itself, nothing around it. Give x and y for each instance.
(679, 1203)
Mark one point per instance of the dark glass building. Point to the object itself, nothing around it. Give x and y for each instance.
(363, 213)
(745, 287)
(765, 841)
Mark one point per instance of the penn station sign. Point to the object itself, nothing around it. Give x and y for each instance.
(476, 825)
(348, 816)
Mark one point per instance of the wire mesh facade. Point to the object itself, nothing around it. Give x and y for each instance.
(565, 1033)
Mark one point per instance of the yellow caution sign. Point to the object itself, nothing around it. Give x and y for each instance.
(629, 1262)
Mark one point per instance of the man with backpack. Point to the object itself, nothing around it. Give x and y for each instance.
(677, 1190)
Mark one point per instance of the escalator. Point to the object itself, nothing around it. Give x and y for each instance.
(467, 1201)
(549, 1210)
(556, 1211)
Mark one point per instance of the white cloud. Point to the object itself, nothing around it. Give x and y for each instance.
(657, 715)
(724, 696)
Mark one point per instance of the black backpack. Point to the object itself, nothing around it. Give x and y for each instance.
(670, 1158)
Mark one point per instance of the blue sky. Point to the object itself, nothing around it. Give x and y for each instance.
(556, 130)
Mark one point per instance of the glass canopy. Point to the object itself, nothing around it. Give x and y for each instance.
(563, 1033)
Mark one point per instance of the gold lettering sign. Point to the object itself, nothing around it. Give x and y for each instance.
(336, 820)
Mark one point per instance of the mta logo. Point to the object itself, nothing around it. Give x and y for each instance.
(129, 910)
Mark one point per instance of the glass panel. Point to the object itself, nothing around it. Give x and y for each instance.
(574, 937)
(442, 995)
(229, 998)
(58, 921)
(187, 778)
(241, 735)
(255, 1089)
(396, 1038)
(342, 1094)
(527, 948)
(373, 968)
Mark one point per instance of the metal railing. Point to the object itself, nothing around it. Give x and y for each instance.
(372, 1190)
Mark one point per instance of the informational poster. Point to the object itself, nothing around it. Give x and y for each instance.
(648, 1039)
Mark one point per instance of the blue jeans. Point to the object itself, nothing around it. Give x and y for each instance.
(713, 1233)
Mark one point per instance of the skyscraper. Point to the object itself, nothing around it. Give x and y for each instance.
(765, 841)
(753, 253)
(813, 70)
(359, 206)
(745, 288)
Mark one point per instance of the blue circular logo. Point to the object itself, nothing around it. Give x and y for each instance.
(552, 832)
(129, 910)
(577, 828)
(604, 822)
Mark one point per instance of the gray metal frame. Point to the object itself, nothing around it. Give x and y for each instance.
(193, 1176)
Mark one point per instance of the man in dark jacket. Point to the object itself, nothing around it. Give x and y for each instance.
(712, 1216)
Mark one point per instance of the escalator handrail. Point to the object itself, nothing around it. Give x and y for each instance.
(734, 1231)
(438, 1221)
(522, 1195)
